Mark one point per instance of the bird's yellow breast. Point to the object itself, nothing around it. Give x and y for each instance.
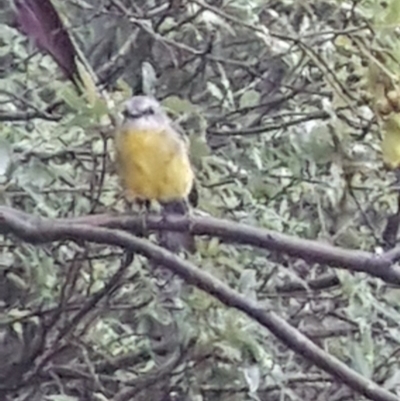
(153, 165)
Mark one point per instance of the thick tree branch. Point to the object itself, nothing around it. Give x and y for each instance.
(48, 230)
(380, 266)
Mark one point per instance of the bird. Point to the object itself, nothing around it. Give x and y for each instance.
(153, 163)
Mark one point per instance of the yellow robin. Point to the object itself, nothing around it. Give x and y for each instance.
(153, 162)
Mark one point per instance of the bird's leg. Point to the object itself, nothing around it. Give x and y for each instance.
(144, 207)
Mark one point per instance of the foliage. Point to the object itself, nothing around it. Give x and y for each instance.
(279, 106)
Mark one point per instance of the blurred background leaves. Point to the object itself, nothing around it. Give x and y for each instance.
(284, 104)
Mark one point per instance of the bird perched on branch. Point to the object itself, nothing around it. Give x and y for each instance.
(153, 160)
(153, 163)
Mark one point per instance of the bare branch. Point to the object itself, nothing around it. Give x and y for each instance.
(380, 266)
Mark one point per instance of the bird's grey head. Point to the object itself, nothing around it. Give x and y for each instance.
(138, 107)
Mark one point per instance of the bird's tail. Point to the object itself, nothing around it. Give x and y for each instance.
(176, 241)
(169, 285)
(169, 309)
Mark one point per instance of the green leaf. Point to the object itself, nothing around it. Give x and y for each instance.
(250, 98)
(215, 90)
(5, 157)
(149, 79)
(73, 100)
(178, 105)
(198, 148)
(252, 377)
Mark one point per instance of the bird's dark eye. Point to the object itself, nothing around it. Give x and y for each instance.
(138, 113)
(149, 111)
